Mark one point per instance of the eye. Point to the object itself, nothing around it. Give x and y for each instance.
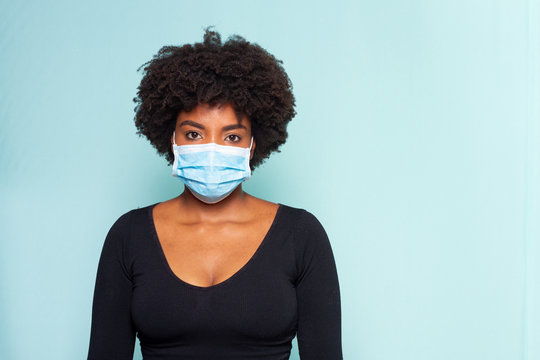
(234, 138)
(192, 135)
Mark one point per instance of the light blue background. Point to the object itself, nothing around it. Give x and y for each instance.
(416, 144)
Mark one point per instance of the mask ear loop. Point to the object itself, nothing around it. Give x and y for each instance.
(248, 160)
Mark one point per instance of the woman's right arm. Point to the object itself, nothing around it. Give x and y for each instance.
(112, 333)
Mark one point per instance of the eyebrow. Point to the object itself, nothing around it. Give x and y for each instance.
(200, 126)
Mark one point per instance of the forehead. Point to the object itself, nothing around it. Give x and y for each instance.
(214, 114)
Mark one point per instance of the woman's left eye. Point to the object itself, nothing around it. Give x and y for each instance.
(233, 138)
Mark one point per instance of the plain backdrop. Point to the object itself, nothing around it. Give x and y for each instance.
(416, 144)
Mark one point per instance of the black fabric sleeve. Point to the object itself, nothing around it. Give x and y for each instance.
(112, 333)
(318, 294)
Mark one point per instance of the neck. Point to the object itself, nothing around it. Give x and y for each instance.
(229, 208)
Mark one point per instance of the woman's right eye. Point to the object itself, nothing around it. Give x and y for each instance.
(192, 135)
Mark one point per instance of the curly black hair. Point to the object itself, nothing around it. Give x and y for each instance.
(253, 81)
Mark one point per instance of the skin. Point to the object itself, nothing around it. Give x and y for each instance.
(206, 244)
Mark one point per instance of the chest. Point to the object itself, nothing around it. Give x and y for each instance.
(231, 284)
(258, 307)
(206, 255)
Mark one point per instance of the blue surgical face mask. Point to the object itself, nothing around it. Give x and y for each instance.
(211, 171)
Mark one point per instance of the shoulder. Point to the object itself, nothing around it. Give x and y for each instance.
(312, 246)
(126, 221)
(302, 219)
(309, 235)
(125, 233)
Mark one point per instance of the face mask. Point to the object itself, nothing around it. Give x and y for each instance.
(211, 171)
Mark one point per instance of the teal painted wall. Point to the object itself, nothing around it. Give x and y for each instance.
(417, 145)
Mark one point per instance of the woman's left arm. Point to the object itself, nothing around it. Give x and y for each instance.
(318, 294)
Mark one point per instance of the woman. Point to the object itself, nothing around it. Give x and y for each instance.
(215, 273)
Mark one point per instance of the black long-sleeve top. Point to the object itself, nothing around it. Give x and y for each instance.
(288, 287)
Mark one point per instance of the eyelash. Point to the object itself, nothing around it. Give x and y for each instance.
(239, 138)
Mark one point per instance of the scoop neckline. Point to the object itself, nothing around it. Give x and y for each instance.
(231, 278)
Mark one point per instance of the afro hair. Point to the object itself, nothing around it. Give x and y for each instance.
(178, 78)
